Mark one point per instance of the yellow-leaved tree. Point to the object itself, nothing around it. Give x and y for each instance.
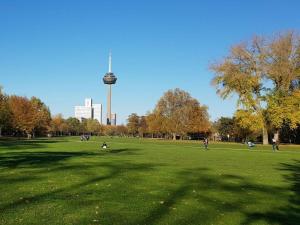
(264, 73)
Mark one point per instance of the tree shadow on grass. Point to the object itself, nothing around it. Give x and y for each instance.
(23, 144)
(234, 189)
(230, 194)
(290, 214)
(8, 179)
(113, 169)
(36, 159)
(127, 151)
(43, 158)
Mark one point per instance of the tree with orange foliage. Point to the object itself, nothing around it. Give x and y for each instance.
(29, 116)
(177, 114)
(42, 116)
(5, 113)
(58, 125)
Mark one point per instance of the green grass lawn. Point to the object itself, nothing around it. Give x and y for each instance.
(135, 181)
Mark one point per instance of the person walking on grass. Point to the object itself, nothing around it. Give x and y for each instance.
(275, 145)
(205, 143)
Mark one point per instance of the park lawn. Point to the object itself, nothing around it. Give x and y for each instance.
(142, 181)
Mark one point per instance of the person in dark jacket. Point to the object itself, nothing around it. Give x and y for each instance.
(205, 143)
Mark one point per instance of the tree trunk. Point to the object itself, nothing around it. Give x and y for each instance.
(174, 136)
(0, 131)
(265, 136)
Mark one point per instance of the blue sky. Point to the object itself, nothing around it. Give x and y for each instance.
(58, 50)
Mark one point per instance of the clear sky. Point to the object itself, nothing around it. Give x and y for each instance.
(58, 50)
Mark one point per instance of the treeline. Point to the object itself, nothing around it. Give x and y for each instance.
(176, 115)
(230, 129)
(72, 126)
(20, 116)
(30, 117)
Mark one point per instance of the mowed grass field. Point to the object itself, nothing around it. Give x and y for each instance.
(136, 181)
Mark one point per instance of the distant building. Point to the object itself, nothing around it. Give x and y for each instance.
(89, 111)
(97, 112)
(114, 119)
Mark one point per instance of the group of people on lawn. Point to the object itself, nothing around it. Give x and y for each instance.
(275, 144)
(87, 137)
(84, 137)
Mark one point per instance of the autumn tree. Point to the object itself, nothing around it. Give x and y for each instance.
(178, 113)
(225, 127)
(22, 117)
(248, 71)
(229, 129)
(155, 123)
(93, 126)
(133, 124)
(110, 130)
(41, 116)
(5, 113)
(142, 126)
(282, 67)
(73, 125)
(121, 130)
(29, 116)
(197, 118)
(59, 125)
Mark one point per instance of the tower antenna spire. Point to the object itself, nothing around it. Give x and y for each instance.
(109, 62)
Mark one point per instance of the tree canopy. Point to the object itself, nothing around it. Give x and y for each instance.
(264, 73)
(177, 113)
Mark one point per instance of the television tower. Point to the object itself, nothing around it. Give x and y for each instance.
(109, 79)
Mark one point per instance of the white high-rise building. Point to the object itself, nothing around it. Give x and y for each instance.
(89, 111)
(97, 112)
(114, 119)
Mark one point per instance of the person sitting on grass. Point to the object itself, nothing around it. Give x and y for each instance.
(250, 144)
(104, 145)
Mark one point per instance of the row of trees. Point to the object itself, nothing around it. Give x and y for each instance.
(265, 75)
(72, 126)
(176, 115)
(23, 116)
(229, 129)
